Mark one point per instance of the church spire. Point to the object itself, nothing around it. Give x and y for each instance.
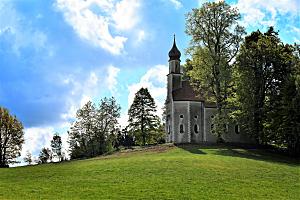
(174, 53)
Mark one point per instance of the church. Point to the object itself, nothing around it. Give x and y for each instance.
(188, 115)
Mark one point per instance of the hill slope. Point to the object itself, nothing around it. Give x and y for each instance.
(164, 172)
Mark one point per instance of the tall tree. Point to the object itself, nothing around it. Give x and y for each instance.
(28, 158)
(142, 116)
(56, 145)
(216, 37)
(81, 134)
(90, 134)
(44, 156)
(106, 122)
(11, 137)
(264, 71)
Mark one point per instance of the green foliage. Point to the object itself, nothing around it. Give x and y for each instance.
(11, 138)
(28, 158)
(144, 124)
(267, 96)
(45, 155)
(56, 145)
(216, 37)
(91, 133)
(189, 172)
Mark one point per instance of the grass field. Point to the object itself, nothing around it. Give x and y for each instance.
(164, 172)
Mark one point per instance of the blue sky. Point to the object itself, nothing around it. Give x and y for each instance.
(56, 55)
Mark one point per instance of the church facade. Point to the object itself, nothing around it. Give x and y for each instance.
(188, 116)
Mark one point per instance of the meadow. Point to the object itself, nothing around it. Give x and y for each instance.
(162, 172)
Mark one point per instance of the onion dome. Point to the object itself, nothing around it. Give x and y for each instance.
(174, 53)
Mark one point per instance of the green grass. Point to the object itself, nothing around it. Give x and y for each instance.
(186, 172)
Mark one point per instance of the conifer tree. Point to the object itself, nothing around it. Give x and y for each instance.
(142, 117)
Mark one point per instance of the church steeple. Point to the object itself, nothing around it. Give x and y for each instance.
(174, 53)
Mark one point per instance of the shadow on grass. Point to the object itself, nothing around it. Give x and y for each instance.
(241, 151)
(192, 148)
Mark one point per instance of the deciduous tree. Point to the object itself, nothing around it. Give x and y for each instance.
(11, 138)
(216, 37)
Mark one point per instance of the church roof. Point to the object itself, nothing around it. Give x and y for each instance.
(187, 93)
(174, 53)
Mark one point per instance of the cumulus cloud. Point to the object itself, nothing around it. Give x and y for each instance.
(93, 20)
(266, 13)
(80, 93)
(155, 80)
(111, 79)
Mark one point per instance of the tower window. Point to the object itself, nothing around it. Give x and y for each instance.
(181, 116)
(181, 130)
(196, 128)
(196, 117)
(237, 129)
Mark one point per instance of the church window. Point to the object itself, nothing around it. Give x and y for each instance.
(181, 130)
(181, 116)
(169, 129)
(196, 116)
(237, 129)
(196, 128)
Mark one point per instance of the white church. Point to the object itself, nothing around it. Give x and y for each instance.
(188, 116)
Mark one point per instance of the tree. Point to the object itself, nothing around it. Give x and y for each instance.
(11, 138)
(28, 158)
(56, 145)
(216, 37)
(267, 93)
(90, 133)
(142, 117)
(44, 155)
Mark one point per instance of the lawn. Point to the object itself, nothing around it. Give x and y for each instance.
(164, 172)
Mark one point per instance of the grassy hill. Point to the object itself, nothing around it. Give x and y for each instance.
(163, 172)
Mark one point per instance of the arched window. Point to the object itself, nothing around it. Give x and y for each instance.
(181, 116)
(181, 129)
(169, 129)
(196, 128)
(237, 129)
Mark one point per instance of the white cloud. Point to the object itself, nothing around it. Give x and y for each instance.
(111, 79)
(125, 15)
(265, 13)
(18, 32)
(141, 36)
(177, 4)
(155, 80)
(93, 19)
(81, 92)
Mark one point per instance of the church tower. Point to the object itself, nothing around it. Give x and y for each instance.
(175, 73)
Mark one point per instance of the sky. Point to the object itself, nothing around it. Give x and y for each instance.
(56, 55)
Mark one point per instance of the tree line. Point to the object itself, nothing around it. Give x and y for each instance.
(96, 130)
(254, 80)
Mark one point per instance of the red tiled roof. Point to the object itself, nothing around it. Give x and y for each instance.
(187, 93)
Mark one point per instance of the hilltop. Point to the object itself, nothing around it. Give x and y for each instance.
(160, 172)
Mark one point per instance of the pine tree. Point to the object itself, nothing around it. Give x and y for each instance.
(142, 117)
